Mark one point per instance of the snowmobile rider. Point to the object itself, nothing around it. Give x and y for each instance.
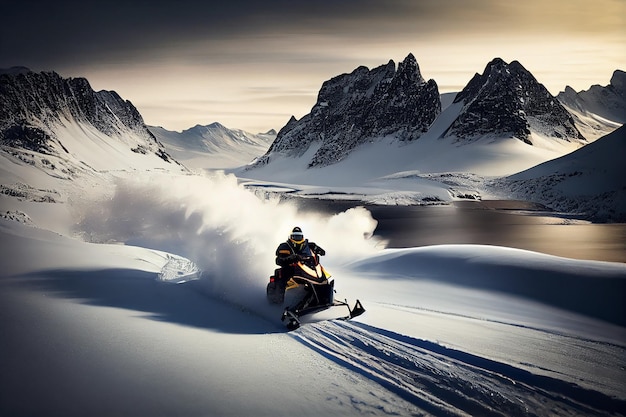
(289, 252)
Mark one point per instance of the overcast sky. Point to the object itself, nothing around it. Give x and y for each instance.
(252, 64)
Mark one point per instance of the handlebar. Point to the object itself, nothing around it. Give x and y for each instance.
(303, 258)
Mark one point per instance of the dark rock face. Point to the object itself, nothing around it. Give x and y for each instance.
(32, 104)
(507, 99)
(354, 108)
(27, 137)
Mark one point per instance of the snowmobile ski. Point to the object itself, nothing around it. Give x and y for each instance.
(357, 310)
(292, 318)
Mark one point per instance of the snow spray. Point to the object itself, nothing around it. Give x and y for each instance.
(225, 229)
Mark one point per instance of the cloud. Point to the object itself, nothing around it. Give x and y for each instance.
(158, 52)
(60, 34)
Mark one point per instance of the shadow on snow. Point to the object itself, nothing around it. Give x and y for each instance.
(184, 303)
(444, 381)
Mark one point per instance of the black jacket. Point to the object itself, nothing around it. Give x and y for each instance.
(287, 253)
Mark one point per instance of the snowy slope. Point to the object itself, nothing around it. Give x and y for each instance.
(393, 172)
(449, 330)
(438, 170)
(600, 109)
(89, 161)
(589, 180)
(79, 147)
(40, 110)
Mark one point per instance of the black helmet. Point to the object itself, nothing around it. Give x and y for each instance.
(297, 237)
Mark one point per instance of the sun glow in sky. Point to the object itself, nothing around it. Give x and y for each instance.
(251, 65)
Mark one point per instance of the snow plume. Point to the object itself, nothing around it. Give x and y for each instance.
(226, 230)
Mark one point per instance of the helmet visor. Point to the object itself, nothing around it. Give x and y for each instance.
(297, 237)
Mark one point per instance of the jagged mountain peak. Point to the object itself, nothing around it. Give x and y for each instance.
(506, 99)
(45, 98)
(497, 74)
(15, 70)
(212, 127)
(409, 70)
(216, 125)
(618, 81)
(357, 107)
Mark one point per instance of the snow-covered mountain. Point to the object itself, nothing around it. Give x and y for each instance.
(589, 181)
(60, 140)
(356, 108)
(63, 127)
(506, 100)
(363, 107)
(213, 145)
(141, 291)
(599, 110)
(435, 171)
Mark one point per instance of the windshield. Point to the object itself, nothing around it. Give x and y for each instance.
(306, 250)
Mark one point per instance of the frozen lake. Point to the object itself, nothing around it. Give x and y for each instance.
(514, 224)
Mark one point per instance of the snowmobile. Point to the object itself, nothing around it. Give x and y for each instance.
(315, 290)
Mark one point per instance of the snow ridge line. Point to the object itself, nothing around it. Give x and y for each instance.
(447, 382)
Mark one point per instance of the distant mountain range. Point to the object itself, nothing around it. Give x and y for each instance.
(213, 145)
(505, 101)
(369, 126)
(69, 123)
(608, 102)
(599, 108)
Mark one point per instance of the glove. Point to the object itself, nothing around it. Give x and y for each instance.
(321, 251)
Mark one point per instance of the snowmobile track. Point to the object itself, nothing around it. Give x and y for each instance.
(446, 382)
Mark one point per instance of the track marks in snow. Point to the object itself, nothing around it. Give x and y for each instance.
(447, 382)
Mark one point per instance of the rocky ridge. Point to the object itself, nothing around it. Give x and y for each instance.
(353, 109)
(507, 100)
(366, 105)
(608, 102)
(33, 105)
